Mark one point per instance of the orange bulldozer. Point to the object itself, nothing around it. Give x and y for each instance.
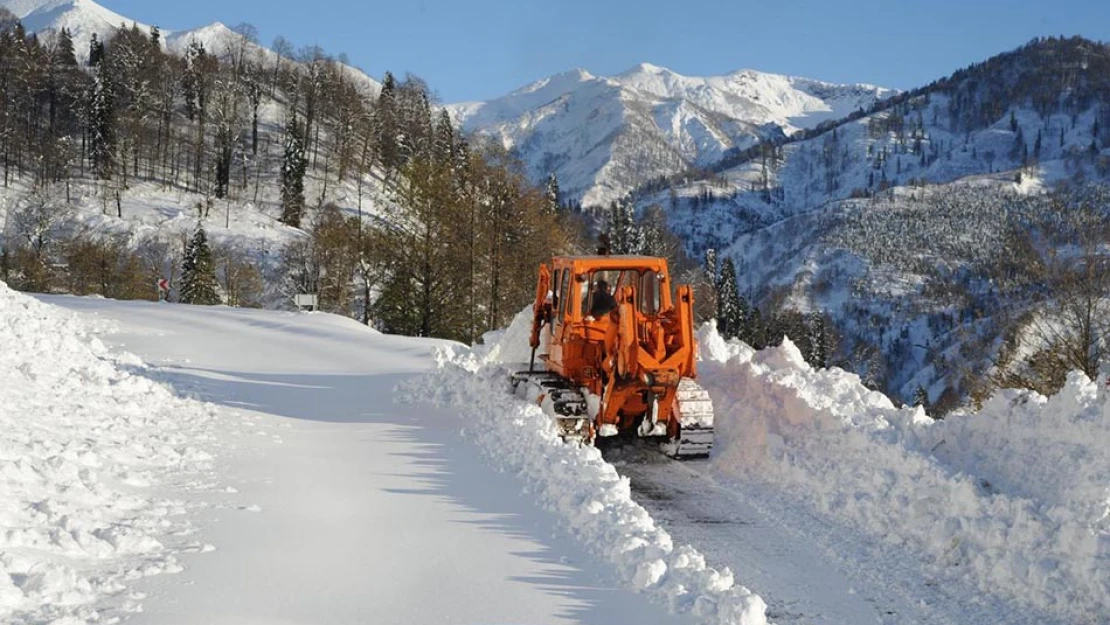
(620, 364)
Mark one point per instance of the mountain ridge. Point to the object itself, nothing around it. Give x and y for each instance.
(664, 123)
(895, 222)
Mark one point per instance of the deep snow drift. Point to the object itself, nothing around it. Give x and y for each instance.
(86, 451)
(1014, 499)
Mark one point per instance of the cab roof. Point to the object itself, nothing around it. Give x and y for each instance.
(585, 263)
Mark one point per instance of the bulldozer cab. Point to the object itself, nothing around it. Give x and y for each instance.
(578, 283)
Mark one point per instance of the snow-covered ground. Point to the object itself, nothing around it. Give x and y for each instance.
(263, 458)
(831, 503)
(1011, 503)
(323, 501)
(96, 462)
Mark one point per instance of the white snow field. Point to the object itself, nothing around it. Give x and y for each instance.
(263, 458)
(1012, 502)
(322, 500)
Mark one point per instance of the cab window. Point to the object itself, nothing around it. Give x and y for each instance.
(564, 293)
(648, 293)
(556, 296)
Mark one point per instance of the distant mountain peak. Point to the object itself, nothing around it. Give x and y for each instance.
(557, 81)
(604, 136)
(646, 68)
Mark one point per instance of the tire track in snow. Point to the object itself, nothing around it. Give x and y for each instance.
(808, 571)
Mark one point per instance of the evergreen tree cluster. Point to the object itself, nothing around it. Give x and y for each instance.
(198, 274)
(812, 333)
(625, 235)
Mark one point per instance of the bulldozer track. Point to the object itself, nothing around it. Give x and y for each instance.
(568, 407)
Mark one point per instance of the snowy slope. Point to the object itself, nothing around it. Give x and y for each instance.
(865, 221)
(603, 136)
(329, 504)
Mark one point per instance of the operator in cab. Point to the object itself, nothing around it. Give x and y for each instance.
(603, 302)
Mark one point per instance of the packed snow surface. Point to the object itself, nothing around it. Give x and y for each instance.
(302, 493)
(326, 502)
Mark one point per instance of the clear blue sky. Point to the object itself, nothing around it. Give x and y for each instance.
(480, 49)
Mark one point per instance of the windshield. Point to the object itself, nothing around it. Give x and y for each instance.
(599, 292)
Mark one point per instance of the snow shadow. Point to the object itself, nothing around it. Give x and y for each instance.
(431, 461)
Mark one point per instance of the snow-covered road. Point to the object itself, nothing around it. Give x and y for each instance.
(303, 493)
(336, 506)
(808, 571)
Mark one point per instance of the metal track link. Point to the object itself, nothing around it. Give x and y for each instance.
(557, 398)
(695, 409)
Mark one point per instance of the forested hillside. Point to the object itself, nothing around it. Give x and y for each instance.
(246, 176)
(930, 228)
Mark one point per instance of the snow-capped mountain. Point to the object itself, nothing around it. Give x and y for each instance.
(84, 18)
(603, 136)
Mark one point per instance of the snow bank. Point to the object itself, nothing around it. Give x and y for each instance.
(83, 443)
(577, 484)
(1014, 498)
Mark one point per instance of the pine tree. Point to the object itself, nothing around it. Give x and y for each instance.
(293, 167)
(625, 235)
(64, 54)
(96, 51)
(385, 121)
(198, 275)
(551, 193)
(921, 397)
(756, 330)
(744, 332)
(729, 312)
(102, 123)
